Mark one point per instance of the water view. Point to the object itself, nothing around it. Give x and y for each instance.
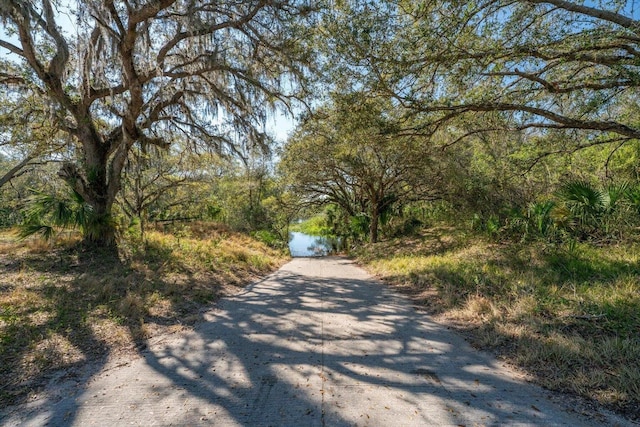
(305, 245)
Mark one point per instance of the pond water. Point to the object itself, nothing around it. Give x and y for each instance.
(304, 245)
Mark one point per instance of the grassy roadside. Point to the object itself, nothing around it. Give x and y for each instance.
(569, 318)
(62, 308)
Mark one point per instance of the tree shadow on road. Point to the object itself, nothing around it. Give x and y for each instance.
(64, 311)
(301, 350)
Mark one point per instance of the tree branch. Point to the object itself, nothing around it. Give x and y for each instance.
(14, 171)
(605, 15)
(606, 126)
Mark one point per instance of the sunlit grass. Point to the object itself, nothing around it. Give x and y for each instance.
(61, 306)
(570, 317)
(221, 253)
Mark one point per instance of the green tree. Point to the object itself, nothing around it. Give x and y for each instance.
(513, 90)
(281, 208)
(155, 182)
(138, 73)
(552, 64)
(349, 153)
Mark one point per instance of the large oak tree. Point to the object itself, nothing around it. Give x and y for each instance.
(127, 72)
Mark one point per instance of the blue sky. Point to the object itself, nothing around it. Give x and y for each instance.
(280, 125)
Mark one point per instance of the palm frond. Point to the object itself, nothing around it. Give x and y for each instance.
(613, 194)
(30, 229)
(582, 195)
(584, 201)
(46, 212)
(633, 197)
(540, 214)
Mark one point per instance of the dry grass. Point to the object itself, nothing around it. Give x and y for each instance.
(571, 319)
(61, 307)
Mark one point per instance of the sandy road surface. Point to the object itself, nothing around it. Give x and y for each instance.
(318, 343)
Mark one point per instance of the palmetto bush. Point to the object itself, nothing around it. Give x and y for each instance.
(585, 203)
(46, 213)
(539, 216)
(578, 210)
(632, 195)
(615, 195)
(587, 211)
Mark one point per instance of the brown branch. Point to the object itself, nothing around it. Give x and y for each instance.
(148, 11)
(116, 18)
(468, 134)
(60, 59)
(554, 87)
(12, 48)
(605, 15)
(568, 122)
(10, 79)
(13, 172)
(158, 108)
(610, 156)
(208, 30)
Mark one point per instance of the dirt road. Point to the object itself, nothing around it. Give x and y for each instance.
(318, 343)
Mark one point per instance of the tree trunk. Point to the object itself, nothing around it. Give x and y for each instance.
(373, 225)
(142, 229)
(90, 181)
(99, 230)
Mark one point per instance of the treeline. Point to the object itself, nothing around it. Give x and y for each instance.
(157, 188)
(514, 118)
(352, 160)
(518, 118)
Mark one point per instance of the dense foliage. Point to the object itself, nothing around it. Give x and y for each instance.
(514, 117)
(524, 112)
